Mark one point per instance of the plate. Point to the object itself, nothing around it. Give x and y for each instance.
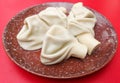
(71, 68)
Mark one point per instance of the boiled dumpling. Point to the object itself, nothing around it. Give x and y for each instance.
(32, 33)
(59, 44)
(54, 16)
(81, 22)
(35, 27)
(81, 18)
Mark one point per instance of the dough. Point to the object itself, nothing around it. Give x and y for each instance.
(59, 44)
(32, 33)
(54, 16)
(81, 22)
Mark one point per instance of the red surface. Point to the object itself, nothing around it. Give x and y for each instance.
(11, 73)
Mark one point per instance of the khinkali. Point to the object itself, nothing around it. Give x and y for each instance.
(81, 22)
(35, 27)
(32, 33)
(54, 16)
(59, 44)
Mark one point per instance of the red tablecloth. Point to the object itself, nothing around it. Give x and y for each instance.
(11, 73)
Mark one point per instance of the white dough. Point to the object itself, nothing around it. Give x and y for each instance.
(59, 44)
(88, 40)
(32, 33)
(54, 16)
(81, 22)
(35, 27)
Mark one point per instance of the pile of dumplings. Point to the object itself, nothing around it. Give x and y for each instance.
(60, 36)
